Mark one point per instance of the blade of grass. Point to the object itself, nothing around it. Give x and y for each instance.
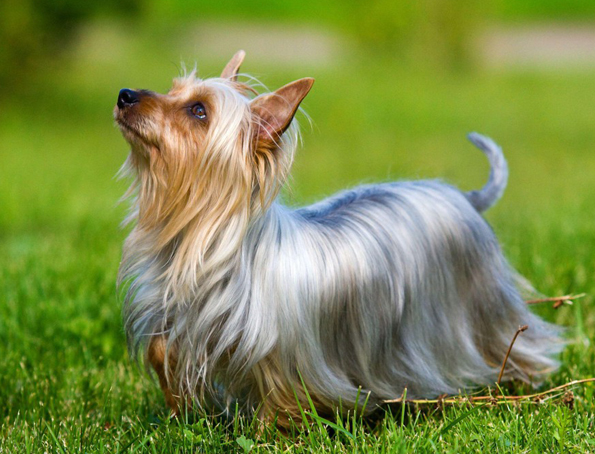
(332, 425)
(454, 422)
(58, 444)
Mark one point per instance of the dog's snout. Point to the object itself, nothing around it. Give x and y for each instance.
(127, 97)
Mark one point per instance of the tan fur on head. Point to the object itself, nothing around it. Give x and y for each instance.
(202, 178)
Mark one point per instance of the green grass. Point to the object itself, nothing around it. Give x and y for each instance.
(66, 384)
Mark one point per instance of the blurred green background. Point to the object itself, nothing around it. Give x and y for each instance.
(398, 85)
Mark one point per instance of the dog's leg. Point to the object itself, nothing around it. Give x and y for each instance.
(156, 355)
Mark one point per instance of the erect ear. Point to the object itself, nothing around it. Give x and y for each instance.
(274, 111)
(231, 69)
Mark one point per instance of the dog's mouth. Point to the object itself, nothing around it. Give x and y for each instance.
(127, 128)
(131, 130)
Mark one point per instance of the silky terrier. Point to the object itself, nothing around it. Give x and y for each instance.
(239, 302)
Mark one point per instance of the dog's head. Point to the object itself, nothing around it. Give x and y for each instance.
(209, 142)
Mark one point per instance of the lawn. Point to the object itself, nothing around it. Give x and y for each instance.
(66, 383)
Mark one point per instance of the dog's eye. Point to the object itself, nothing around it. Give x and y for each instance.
(199, 111)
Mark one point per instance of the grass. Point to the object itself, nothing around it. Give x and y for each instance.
(66, 384)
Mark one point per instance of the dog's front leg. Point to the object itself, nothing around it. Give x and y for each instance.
(156, 355)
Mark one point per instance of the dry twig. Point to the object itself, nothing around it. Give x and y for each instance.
(518, 331)
(488, 399)
(557, 300)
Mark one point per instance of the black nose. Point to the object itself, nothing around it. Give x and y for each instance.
(127, 97)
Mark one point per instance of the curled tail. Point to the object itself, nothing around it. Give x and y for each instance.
(494, 188)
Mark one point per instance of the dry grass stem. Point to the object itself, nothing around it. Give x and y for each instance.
(518, 331)
(557, 300)
(490, 399)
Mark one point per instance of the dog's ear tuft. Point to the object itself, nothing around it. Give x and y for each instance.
(231, 69)
(276, 110)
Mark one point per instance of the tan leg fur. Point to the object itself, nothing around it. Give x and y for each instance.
(156, 356)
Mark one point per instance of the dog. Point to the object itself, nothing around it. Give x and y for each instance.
(239, 302)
